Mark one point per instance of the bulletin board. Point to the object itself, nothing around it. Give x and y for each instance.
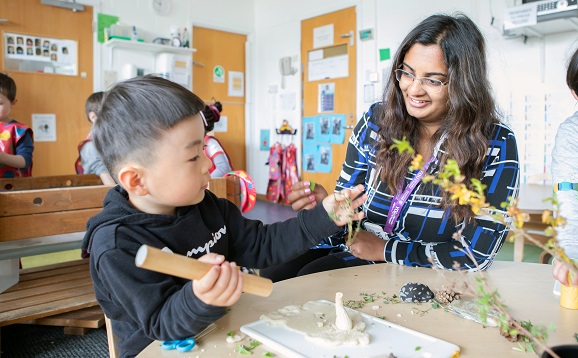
(319, 132)
(40, 54)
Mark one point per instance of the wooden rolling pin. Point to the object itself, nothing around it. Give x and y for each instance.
(154, 259)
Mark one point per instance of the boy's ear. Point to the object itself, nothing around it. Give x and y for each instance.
(92, 117)
(131, 178)
(575, 94)
(13, 103)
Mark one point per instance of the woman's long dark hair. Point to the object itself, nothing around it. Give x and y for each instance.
(471, 107)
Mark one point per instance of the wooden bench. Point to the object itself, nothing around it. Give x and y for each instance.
(48, 214)
(42, 215)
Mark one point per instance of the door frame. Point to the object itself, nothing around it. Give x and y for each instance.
(249, 80)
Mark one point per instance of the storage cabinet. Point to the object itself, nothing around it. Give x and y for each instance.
(127, 59)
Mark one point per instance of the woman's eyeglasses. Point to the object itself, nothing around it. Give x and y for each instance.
(428, 84)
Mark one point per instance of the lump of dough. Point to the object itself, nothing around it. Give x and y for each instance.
(342, 320)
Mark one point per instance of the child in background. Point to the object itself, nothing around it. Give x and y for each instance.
(565, 177)
(16, 139)
(150, 135)
(213, 148)
(89, 161)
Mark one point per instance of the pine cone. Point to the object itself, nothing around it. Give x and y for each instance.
(446, 295)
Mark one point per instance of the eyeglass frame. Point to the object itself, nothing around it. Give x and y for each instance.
(420, 79)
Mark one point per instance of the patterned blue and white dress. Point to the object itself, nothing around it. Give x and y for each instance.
(424, 231)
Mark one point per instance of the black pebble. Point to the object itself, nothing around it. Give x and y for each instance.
(415, 292)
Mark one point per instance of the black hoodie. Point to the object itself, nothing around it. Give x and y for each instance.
(144, 305)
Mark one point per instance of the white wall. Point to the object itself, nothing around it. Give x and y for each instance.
(526, 76)
(226, 15)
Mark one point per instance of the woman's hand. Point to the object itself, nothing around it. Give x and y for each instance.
(560, 273)
(301, 196)
(368, 246)
(222, 285)
(341, 205)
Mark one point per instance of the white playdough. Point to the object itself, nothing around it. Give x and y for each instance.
(316, 320)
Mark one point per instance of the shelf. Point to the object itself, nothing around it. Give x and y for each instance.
(147, 46)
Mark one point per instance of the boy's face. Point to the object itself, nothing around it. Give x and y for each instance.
(179, 172)
(5, 106)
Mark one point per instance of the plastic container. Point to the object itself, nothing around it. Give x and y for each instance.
(569, 297)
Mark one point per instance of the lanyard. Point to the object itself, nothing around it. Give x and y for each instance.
(401, 197)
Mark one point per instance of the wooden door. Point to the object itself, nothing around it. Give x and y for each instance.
(344, 41)
(61, 95)
(225, 49)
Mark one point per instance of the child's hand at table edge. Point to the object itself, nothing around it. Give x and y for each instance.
(340, 212)
(222, 285)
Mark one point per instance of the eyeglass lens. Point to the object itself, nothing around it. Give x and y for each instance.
(428, 84)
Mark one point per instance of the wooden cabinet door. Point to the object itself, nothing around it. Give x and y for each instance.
(61, 95)
(225, 49)
(344, 31)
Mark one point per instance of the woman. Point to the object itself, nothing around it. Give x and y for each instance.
(438, 96)
(565, 177)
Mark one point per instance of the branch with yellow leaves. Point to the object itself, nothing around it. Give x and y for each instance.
(451, 180)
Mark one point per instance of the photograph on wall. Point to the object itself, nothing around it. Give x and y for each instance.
(310, 130)
(40, 54)
(325, 159)
(338, 128)
(324, 129)
(309, 158)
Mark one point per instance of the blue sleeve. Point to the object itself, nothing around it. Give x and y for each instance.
(25, 147)
(355, 168)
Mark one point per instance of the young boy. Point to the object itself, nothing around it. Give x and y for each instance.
(16, 140)
(89, 161)
(150, 135)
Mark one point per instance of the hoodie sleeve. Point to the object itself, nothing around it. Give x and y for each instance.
(254, 244)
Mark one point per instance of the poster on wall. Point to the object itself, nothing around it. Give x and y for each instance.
(326, 101)
(236, 84)
(44, 127)
(40, 54)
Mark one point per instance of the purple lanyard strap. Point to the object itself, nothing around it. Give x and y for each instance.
(401, 197)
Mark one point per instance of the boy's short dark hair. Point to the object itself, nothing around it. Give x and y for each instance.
(93, 103)
(135, 114)
(7, 87)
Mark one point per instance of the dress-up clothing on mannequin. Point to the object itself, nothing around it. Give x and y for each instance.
(282, 172)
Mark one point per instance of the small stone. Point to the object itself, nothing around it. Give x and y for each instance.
(415, 292)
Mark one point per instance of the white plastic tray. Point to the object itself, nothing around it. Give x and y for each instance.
(384, 338)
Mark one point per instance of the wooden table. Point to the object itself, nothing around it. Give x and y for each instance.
(526, 288)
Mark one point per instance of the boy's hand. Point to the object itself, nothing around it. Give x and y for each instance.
(302, 197)
(341, 207)
(222, 285)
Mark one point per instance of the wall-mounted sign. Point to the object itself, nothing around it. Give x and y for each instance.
(219, 74)
(366, 34)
